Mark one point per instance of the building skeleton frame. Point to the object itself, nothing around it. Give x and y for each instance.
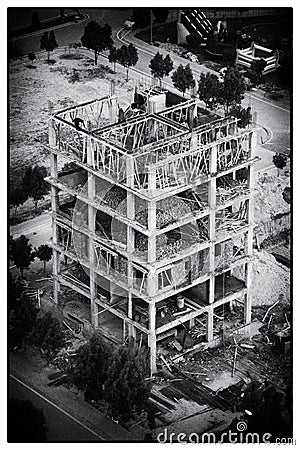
(154, 157)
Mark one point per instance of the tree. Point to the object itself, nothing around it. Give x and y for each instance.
(160, 66)
(127, 56)
(113, 56)
(47, 334)
(44, 253)
(21, 252)
(160, 14)
(24, 321)
(286, 194)
(15, 291)
(31, 56)
(244, 114)
(90, 368)
(256, 70)
(280, 160)
(157, 66)
(168, 65)
(97, 38)
(48, 43)
(25, 422)
(35, 21)
(125, 388)
(209, 89)
(34, 184)
(17, 197)
(183, 78)
(233, 88)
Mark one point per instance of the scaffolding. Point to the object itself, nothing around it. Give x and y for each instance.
(153, 201)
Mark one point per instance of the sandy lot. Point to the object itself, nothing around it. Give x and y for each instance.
(31, 90)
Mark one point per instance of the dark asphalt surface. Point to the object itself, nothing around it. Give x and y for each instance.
(60, 426)
(71, 33)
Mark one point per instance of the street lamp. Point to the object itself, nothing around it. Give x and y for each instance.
(151, 25)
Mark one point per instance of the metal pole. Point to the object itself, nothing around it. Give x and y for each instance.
(151, 24)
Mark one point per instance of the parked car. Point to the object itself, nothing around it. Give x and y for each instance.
(191, 57)
(128, 24)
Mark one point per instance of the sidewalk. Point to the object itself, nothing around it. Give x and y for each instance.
(36, 377)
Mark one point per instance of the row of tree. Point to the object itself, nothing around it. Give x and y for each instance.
(98, 39)
(127, 56)
(213, 90)
(32, 185)
(22, 253)
(115, 379)
(27, 327)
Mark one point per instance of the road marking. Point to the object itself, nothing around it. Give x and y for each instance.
(57, 407)
(121, 39)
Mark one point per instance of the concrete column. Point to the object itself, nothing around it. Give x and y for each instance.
(131, 328)
(248, 296)
(53, 165)
(152, 282)
(91, 246)
(56, 271)
(212, 236)
(211, 294)
(130, 240)
(212, 188)
(213, 159)
(151, 228)
(51, 133)
(210, 325)
(54, 206)
(152, 181)
(152, 337)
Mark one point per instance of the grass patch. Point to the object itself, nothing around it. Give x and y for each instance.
(97, 72)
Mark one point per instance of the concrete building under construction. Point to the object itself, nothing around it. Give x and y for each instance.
(152, 217)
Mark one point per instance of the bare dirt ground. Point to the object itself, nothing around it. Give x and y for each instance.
(32, 86)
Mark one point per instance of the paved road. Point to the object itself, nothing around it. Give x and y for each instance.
(38, 230)
(73, 32)
(61, 425)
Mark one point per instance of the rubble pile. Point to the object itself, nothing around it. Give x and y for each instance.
(270, 279)
(268, 199)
